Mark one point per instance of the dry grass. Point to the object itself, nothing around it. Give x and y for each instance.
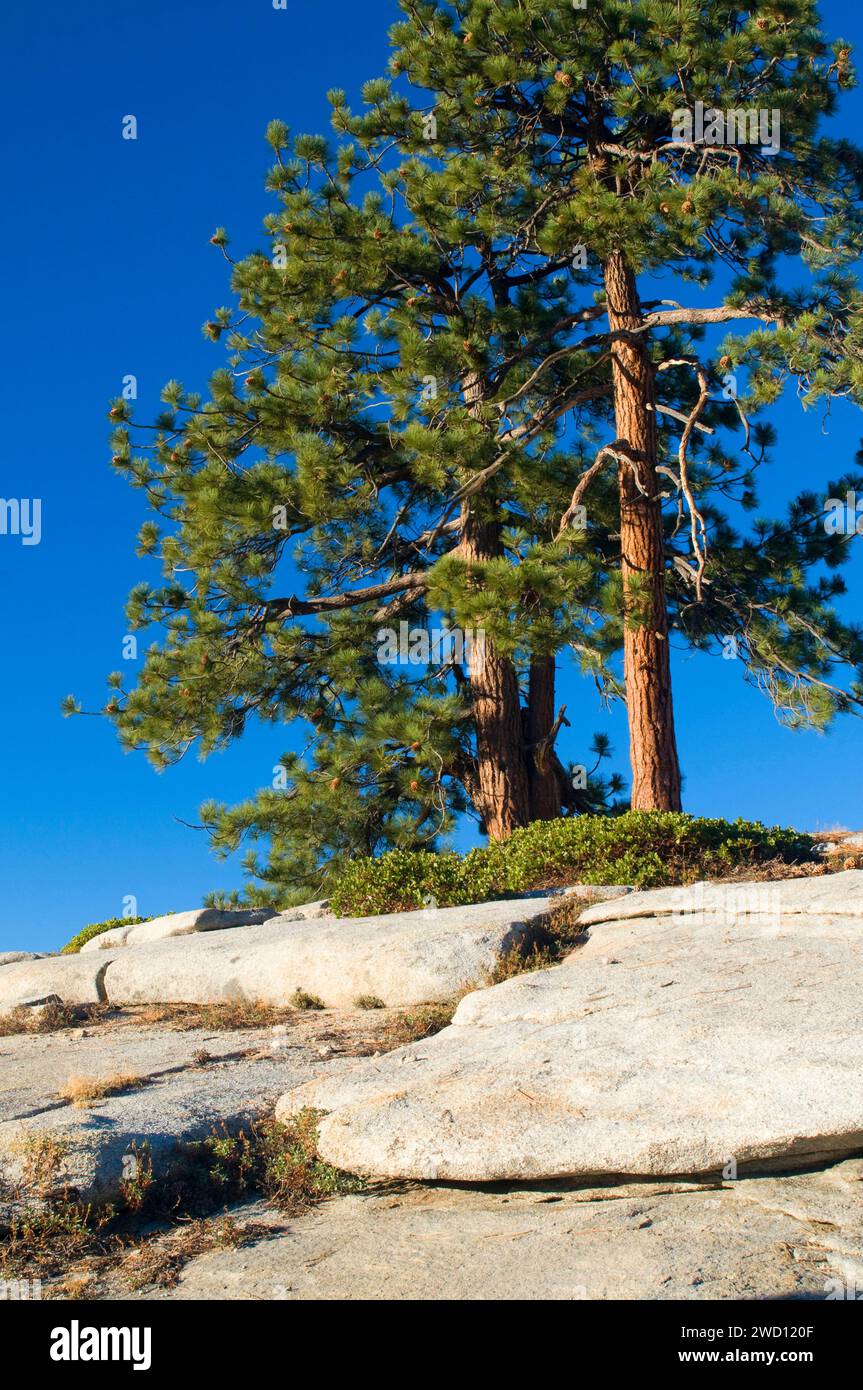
(368, 1001)
(519, 962)
(562, 930)
(159, 1261)
(841, 857)
(84, 1091)
(44, 1239)
(845, 860)
(233, 1016)
(77, 1287)
(774, 870)
(54, 1237)
(559, 933)
(53, 1018)
(119, 1265)
(422, 1021)
(82, 1247)
(43, 1163)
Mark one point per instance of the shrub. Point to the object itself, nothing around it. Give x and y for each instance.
(648, 849)
(306, 1002)
(277, 1159)
(96, 929)
(52, 1229)
(421, 1022)
(400, 881)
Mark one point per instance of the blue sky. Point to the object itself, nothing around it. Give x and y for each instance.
(108, 271)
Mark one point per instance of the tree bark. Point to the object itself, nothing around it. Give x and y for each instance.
(543, 766)
(647, 666)
(503, 796)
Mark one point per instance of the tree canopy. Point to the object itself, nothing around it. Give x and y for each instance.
(434, 413)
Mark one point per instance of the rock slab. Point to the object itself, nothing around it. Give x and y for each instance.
(663, 1046)
(797, 1237)
(405, 958)
(200, 919)
(75, 979)
(308, 912)
(189, 1084)
(818, 898)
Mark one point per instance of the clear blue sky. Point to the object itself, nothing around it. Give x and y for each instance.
(108, 271)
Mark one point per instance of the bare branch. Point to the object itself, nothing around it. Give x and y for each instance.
(294, 607)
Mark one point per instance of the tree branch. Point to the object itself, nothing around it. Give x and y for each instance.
(294, 607)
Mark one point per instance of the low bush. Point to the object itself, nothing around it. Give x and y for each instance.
(306, 1002)
(279, 1160)
(96, 929)
(648, 849)
(51, 1233)
(420, 1022)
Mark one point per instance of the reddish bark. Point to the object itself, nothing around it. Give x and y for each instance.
(502, 795)
(647, 667)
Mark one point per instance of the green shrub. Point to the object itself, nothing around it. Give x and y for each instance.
(649, 849)
(301, 1000)
(401, 881)
(96, 928)
(421, 1022)
(277, 1159)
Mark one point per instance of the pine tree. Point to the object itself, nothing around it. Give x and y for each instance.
(598, 106)
(423, 365)
(353, 434)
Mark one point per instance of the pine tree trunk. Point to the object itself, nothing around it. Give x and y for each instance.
(543, 766)
(503, 795)
(647, 666)
(501, 792)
